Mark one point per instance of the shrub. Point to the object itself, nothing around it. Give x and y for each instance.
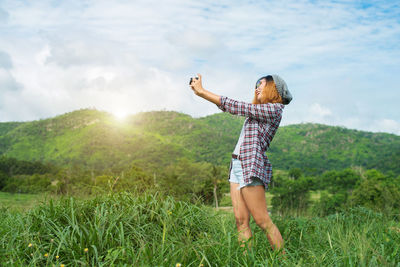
(291, 195)
(329, 204)
(377, 195)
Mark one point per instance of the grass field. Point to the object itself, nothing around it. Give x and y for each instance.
(226, 199)
(22, 202)
(149, 230)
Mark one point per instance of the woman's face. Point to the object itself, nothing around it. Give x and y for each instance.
(260, 88)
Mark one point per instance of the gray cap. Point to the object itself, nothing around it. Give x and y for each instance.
(282, 88)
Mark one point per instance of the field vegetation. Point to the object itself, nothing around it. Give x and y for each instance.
(84, 189)
(153, 230)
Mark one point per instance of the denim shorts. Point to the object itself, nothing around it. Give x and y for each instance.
(236, 175)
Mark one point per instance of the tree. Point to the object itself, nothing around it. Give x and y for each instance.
(295, 173)
(377, 192)
(3, 179)
(329, 204)
(291, 195)
(191, 181)
(335, 181)
(214, 175)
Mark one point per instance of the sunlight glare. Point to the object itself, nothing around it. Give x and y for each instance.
(120, 114)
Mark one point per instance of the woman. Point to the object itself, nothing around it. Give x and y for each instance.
(250, 170)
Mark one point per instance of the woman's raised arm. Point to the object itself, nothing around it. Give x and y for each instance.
(263, 112)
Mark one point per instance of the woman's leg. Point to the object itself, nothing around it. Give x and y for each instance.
(242, 214)
(254, 197)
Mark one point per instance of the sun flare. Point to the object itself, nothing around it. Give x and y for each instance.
(120, 114)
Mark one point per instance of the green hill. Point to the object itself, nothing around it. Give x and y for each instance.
(5, 127)
(97, 140)
(321, 147)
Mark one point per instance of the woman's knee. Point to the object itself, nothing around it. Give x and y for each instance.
(264, 222)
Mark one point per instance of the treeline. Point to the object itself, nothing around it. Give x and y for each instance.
(202, 181)
(339, 190)
(25, 176)
(183, 179)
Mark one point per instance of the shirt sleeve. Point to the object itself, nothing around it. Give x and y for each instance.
(263, 112)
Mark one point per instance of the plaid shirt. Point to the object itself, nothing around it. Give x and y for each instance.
(262, 121)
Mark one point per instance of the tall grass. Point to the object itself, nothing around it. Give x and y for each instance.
(126, 229)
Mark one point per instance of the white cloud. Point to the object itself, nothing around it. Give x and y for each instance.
(3, 15)
(338, 58)
(387, 125)
(5, 60)
(78, 53)
(320, 111)
(7, 81)
(8, 84)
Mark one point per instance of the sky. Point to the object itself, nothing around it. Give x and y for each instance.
(340, 59)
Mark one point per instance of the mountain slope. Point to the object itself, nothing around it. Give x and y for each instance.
(322, 147)
(98, 141)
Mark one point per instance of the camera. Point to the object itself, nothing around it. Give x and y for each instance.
(191, 79)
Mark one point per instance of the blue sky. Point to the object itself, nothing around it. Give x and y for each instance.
(340, 59)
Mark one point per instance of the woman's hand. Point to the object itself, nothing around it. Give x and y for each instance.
(196, 85)
(198, 89)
